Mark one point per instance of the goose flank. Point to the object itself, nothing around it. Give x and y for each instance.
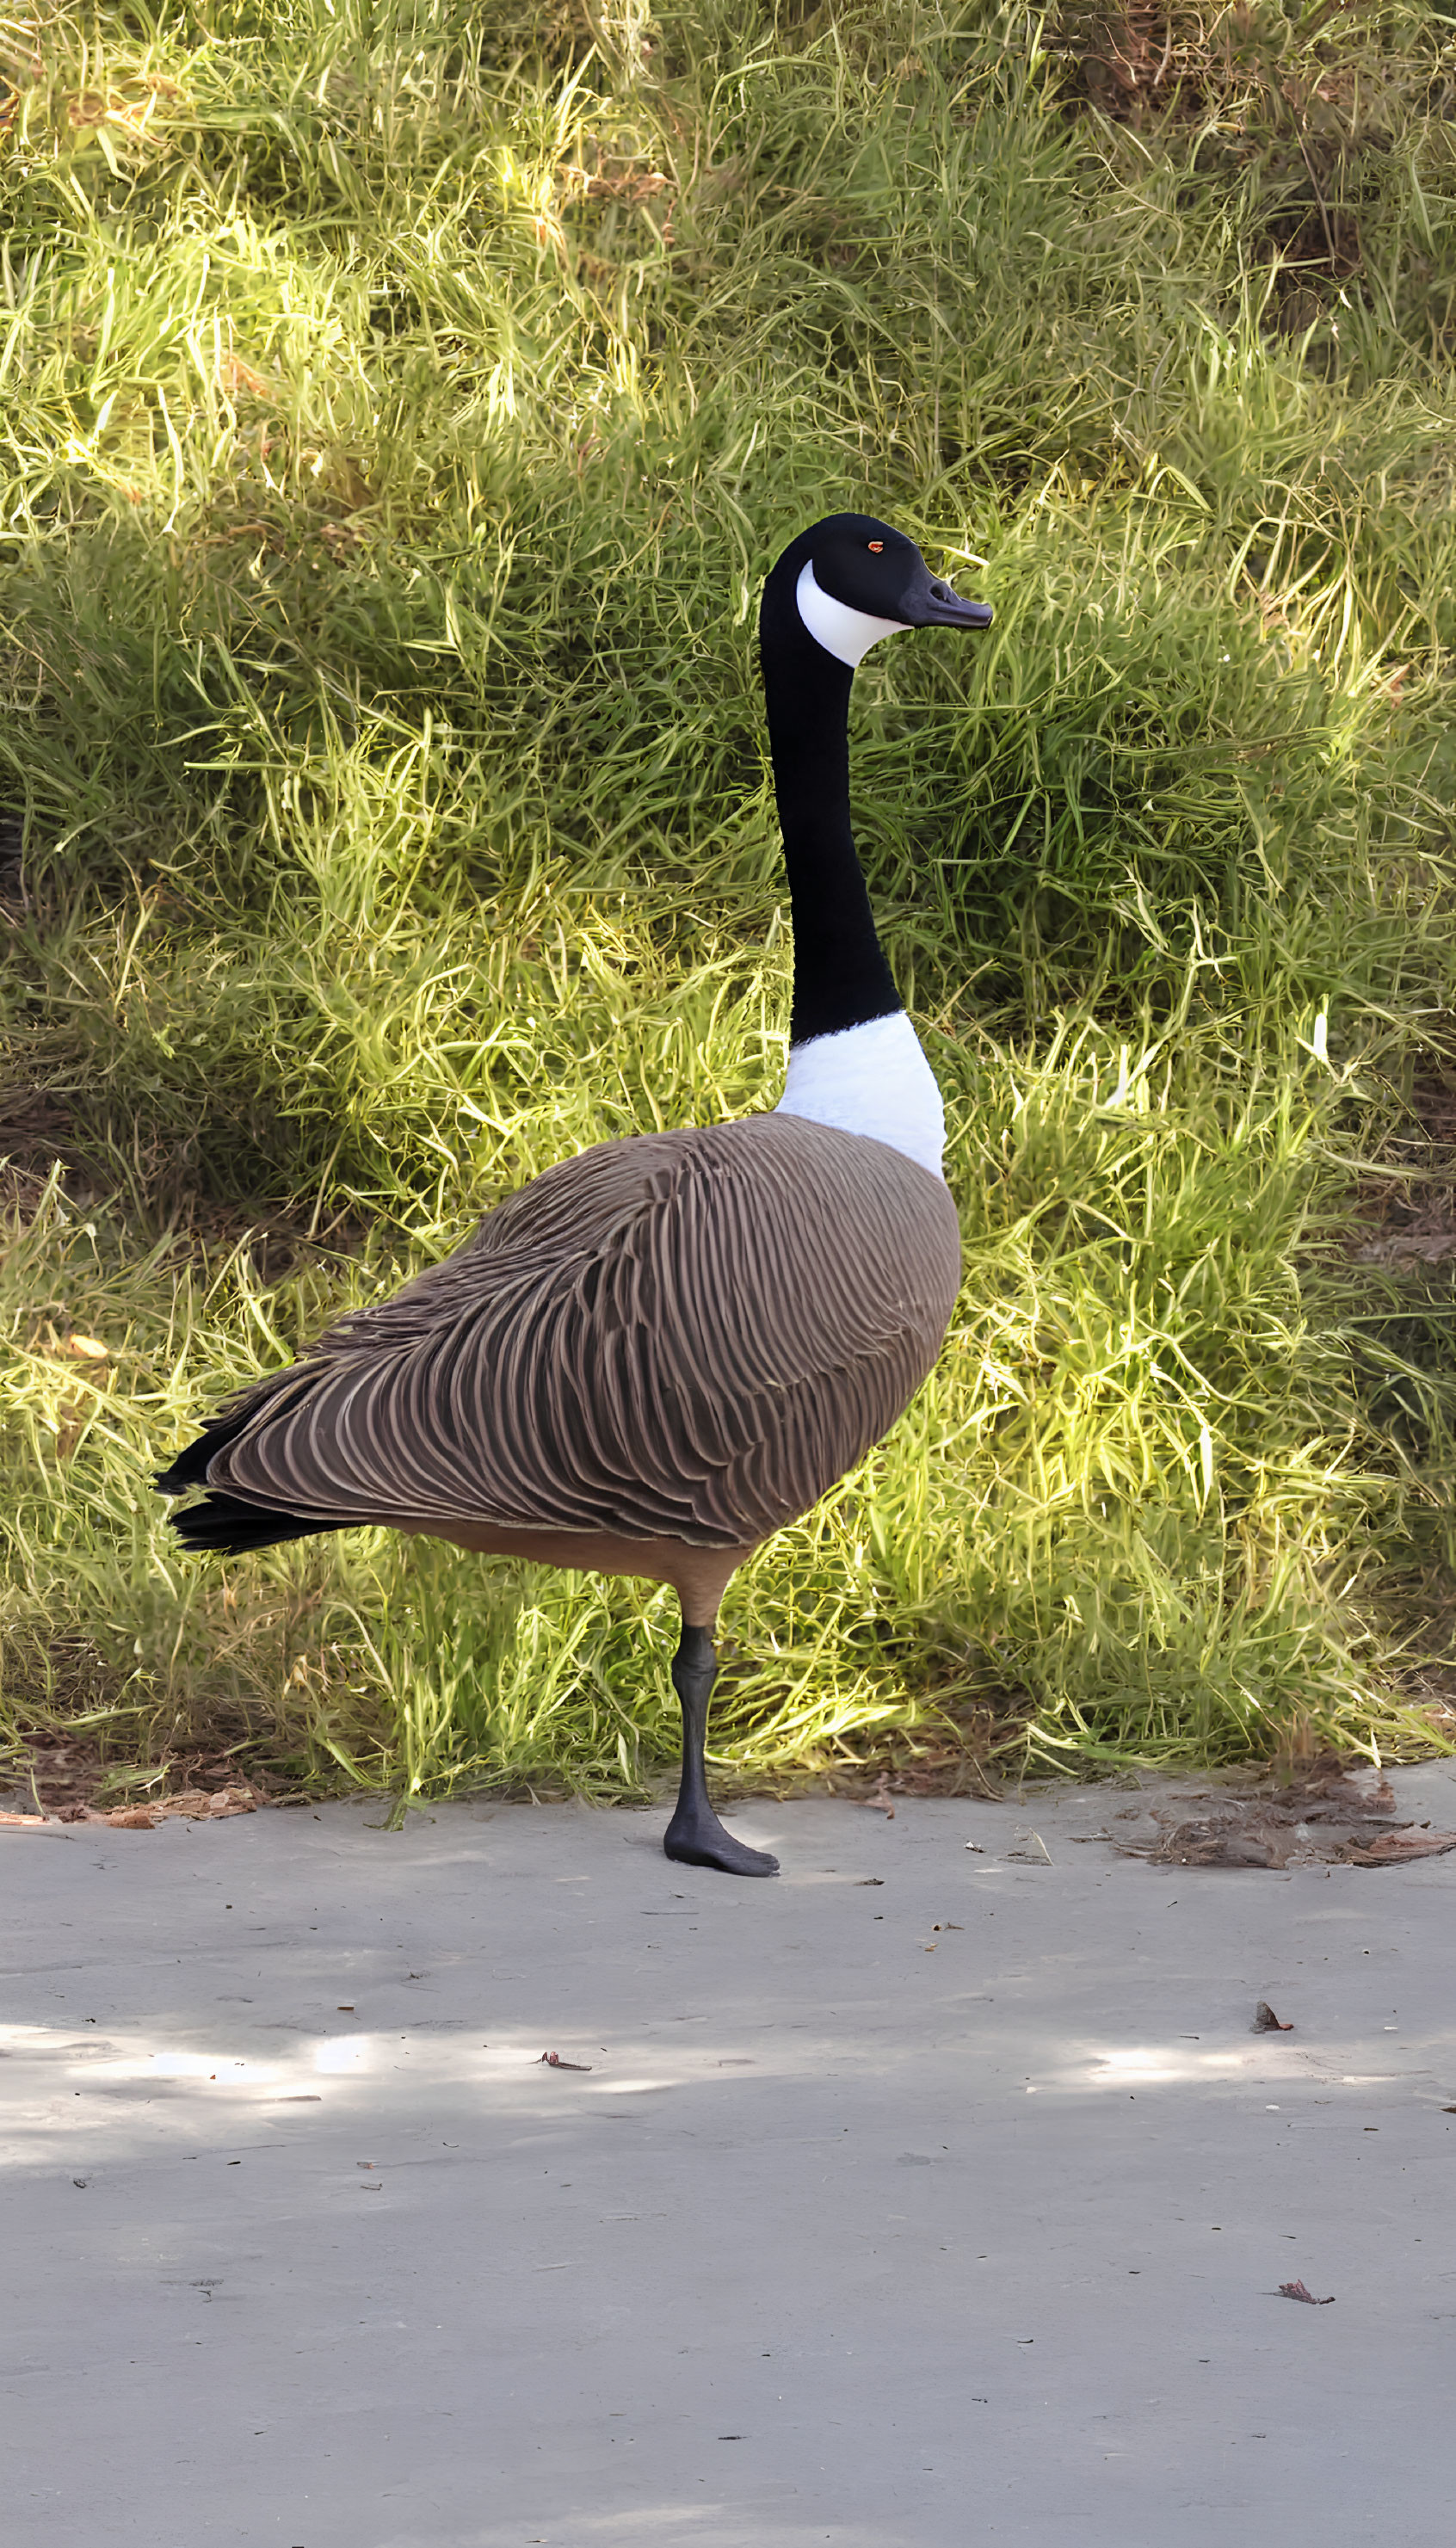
(663, 1350)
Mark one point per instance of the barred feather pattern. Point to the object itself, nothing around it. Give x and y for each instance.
(686, 1335)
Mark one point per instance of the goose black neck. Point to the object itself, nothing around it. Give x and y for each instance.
(841, 977)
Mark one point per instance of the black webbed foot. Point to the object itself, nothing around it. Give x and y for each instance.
(699, 1840)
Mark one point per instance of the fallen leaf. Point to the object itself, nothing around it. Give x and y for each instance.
(87, 1348)
(1298, 2292)
(1266, 2022)
(70, 1420)
(200, 1805)
(1394, 1848)
(632, 186)
(869, 1879)
(554, 2062)
(233, 374)
(192, 1803)
(1333, 1815)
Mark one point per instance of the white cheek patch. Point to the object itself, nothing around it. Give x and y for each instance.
(871, 1080)
(841, 632)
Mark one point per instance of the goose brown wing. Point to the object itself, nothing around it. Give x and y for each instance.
(686, 1335)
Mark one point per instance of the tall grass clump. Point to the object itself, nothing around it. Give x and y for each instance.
(396, 419)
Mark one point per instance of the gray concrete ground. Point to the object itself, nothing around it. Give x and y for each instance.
(923, 2196)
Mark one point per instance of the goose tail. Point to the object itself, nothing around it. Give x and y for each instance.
(225, 1524)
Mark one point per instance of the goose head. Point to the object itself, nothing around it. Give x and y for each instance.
(855, 580)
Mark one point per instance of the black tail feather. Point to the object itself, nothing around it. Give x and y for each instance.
(190, 1468)
(226, 1526)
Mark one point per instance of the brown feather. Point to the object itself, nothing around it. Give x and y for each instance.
(682, 1337)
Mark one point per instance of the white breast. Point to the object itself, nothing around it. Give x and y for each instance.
(871, 1080)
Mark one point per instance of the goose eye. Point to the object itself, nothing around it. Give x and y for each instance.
(877, 546)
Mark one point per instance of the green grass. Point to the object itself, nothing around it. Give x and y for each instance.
(394, 427)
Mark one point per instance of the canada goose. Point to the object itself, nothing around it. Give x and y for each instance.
(665, 1349)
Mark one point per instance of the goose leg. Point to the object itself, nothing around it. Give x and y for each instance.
(694, 1834)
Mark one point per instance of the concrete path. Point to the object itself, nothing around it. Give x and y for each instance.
(922, 2197)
